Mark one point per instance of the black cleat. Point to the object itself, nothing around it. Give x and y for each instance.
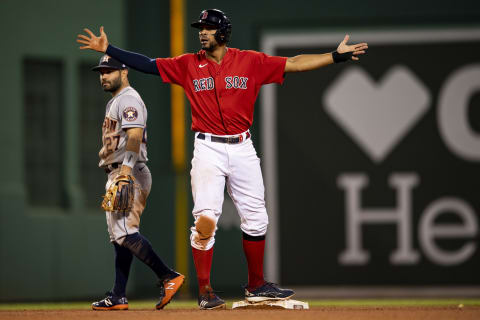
(268, 291)
(111, 303)
(210, 301)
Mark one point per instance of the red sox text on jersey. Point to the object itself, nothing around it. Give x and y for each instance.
(234, 82)
(222, 96)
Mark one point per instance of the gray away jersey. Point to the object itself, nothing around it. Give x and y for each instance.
(125, 110)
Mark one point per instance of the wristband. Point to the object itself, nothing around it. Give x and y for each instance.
(341, 57)
(130, 159)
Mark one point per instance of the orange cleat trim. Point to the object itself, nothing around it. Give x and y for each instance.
(171, 287)
(115, 307)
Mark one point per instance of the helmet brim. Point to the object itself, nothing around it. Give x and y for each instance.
(100, 67)
(199, 24)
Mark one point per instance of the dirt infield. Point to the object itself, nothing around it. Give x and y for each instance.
(331, 313)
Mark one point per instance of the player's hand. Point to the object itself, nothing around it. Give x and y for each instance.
(357, 49)
(124, 171)
(93, 42)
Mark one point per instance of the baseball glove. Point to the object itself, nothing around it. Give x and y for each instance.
(119, 196)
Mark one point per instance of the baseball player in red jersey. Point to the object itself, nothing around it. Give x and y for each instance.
(222, 84)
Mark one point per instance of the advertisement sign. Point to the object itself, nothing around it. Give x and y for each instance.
(372, 168)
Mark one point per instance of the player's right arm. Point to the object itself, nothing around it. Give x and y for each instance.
(132, 149)
(131, 59)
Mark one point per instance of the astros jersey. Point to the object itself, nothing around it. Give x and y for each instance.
(125, 110)
(222, 96)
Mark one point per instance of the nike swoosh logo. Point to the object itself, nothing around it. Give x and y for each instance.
(202, 65)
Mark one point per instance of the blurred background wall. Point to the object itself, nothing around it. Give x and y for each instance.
(53, 240)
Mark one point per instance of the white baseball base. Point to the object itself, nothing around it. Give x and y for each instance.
(279, 304)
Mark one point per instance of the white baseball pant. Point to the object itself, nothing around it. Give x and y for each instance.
(215, 164)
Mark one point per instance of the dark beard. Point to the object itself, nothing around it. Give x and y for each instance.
(209, 47)
(115, 85)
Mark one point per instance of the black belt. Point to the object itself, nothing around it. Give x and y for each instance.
(109, 168)
(229, 140)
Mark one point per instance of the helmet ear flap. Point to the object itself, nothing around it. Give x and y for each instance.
(222, 35)
(218, 19)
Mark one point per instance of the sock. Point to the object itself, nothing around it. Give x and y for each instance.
(203, 265)
(142, 249)
(254, 251)
(123, 261)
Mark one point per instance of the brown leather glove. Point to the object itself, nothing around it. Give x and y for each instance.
(120, 195)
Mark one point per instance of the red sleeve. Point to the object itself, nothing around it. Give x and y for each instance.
(172, 70)
(271, 69)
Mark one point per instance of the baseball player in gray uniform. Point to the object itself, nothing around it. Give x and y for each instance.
(124, 152)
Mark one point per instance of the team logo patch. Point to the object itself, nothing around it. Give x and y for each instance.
(204, 15)
(130, 114)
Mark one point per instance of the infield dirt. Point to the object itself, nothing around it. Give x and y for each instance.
(331, 313)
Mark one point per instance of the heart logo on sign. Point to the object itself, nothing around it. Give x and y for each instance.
(377, 115)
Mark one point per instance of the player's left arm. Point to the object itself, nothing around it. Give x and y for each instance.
(344, 52)
(132, 149)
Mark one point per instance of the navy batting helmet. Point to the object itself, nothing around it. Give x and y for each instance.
(215, 18)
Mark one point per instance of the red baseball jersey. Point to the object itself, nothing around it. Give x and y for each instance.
(222, 96)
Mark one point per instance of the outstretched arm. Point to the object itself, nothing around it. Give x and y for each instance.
(344, 52)
(133, 60)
